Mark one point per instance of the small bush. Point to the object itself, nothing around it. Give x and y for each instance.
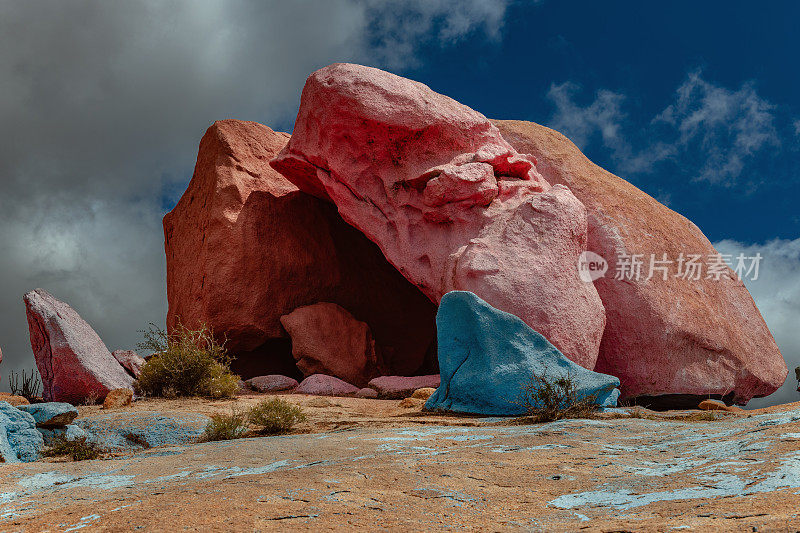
(275, 416)
(29, 388)
(225, 427)
(186, 363)
(78, 449)
(547, 399)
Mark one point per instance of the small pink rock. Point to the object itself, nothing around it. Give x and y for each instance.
(367, 392)
(396, 387)
(130, 360)
(272, 383)
(322, 385)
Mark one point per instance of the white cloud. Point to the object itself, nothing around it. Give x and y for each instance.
(729, 126)
(777, 295)
(604, 116)
(713, 128)
(103, 106)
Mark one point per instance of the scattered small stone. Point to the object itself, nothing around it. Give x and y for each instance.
(13, 399)
(717, 405)
(51, 414)
(118, 398)
(411, 403)
(424, 393)
(396, 387)
(272, 383)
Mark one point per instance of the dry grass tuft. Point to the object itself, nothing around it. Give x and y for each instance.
(187, 363)
(547, 399)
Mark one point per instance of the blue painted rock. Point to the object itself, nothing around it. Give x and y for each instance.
(70, 433)
(133, 431)
(487, 356)
(51, 414)
(19, 440)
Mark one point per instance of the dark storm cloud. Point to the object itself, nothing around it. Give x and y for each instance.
(102, 106)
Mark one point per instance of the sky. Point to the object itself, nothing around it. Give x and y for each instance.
(103, 105)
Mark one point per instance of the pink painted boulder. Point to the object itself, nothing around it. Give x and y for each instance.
(367, 392)
(130, 361)
(450, 203)
(272, 383)
(322, 385)
(401, 386)
(668, 335)
(244, 246)
(73, 362)
(326, 339)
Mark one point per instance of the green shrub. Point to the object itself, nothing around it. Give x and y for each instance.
(225, 427)
(547, 399)
(275, 416)
(186, 363)
(79, 449)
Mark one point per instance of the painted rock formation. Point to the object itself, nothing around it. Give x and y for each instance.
(450, 203)
(130, 361)
(487, 356)
(322, 385)
(19, 439)
(395, 387)
(326, 339)
(51, 414)
(244, 246)
(672, 336)
(272, 383)
(73, 362)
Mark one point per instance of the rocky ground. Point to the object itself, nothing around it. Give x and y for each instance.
(370, 464)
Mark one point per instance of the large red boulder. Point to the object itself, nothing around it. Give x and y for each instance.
(326, 339)
(450, 203)
(672, 336)
(244, 246)
(73, 362)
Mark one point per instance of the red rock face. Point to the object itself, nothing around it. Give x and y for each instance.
(450, 203)
(675, 336)
(244, 246)
(73, 362)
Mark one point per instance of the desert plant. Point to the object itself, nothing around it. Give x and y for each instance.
(78, 449)
(225, 427)
(275, 416)
(186, 362)
(30, 386)
(547, 398)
